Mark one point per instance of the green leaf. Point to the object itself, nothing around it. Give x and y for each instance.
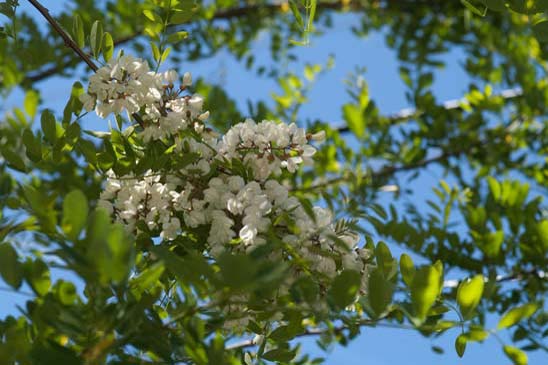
(47, 122)
(66, 292)
(285, 333)
(155, 51)
(151, 15)
(108, 47)
(344, 289)
(425, 288)
(469, 295)
(494, 187)
(96, 38)
(38, 276)
(111, 248)
(192, 269)
(517, 314)
(75, 214)
(385, 261)
(175, 38)
(380, 292)
(6, 9)
(460, 345)
(305, 290)
(42, 206)
(147, 279)
(491, 243)
(74, 105)
(13, 159)
(165, 53)
(121, 254)
(32, 145)
(407, 269)
(78, 31)
(237, 271)
(10, 267)
(311, 13)
(31, 103)
(279, 355)
(353, 116)
(296, 14)
(517, 356)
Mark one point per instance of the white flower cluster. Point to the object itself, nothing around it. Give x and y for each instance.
(239, 206)
(126, 83)
(275, 146)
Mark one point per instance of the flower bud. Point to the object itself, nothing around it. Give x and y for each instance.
(187, 79)
(318, 137)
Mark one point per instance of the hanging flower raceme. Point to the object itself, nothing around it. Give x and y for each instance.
(231, 185)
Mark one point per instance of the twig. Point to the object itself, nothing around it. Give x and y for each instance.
(68, 40)
(306, 333)
(14, 291)
(454, 104)
(389, 170)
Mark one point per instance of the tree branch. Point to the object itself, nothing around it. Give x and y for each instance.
(454, 104)
(389, 169)
(68, 40)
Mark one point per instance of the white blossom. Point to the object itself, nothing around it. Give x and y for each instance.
(211, 192)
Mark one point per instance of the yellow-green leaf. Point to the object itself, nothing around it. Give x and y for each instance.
(425, 288)
(460, 345)
(31, 103)
(517, 356)
(108, 47)
(517, 314)
(38, 276)
(407, 269)
(96, 38)
(78, 31)
(353, 116)
(469, 295)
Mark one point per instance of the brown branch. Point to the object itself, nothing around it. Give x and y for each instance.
(72, 45)
(68, 40)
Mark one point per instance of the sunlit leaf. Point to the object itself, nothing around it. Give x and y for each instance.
(517, 314)
(469, 295)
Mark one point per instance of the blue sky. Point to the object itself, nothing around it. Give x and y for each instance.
(376, 346)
